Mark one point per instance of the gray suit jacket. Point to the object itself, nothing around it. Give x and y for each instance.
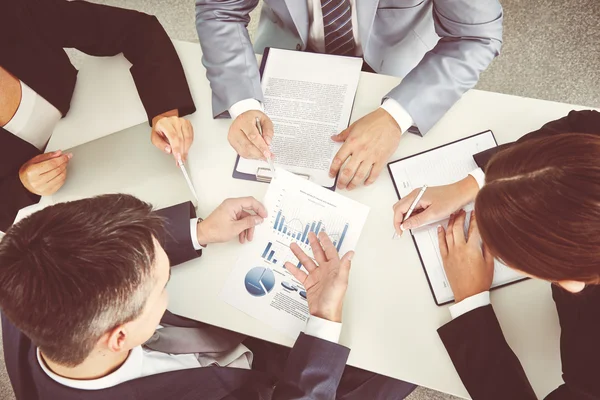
(439, 47)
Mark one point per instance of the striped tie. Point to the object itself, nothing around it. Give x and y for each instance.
(337, 21)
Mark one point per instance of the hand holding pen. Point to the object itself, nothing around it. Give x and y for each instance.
(434, 205)
(247, 140)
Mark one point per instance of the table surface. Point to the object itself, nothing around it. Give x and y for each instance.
(390, 318)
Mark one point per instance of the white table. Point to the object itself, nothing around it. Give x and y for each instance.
(390, 318)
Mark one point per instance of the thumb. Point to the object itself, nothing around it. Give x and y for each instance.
(342, 136)
(345, 264)
(246, 223)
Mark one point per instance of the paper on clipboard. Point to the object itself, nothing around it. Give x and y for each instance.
(309, 98)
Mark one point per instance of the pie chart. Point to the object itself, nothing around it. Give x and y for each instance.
(259, 281)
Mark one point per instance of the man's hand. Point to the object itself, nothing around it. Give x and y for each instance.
(326, 282)
(232, 218)
(437, 202)
(172, 134)
(45, 174)
(469, 270)
(369, 143)
(245, 138)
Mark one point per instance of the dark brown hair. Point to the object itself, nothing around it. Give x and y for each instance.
(71, 272)
(539, 211)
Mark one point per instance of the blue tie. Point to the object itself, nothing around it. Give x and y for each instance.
(337, 21)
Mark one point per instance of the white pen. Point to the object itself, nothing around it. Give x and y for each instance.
(414, 204)
(271, 165)
(187, 179)
(412, 208)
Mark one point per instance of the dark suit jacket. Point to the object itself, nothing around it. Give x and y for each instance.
(486, 364)
(313, 371)
(33, 34)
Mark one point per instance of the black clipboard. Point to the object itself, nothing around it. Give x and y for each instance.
(412, 236)
(263, 174)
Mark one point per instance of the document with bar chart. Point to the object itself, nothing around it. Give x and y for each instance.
(259, 284)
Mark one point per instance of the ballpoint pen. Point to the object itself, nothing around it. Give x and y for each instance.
(412, 208)
(269, 160)
(187, 178)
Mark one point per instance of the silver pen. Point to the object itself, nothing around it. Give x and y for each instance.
(187, 179)
(269, 160)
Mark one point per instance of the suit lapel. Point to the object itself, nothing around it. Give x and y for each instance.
(298, 9)
(365, 12)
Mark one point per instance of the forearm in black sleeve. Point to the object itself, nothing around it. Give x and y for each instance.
(101, 30)
(585, 121)
(313, 371)
(484, 361)
(177, 238)
(13, 197)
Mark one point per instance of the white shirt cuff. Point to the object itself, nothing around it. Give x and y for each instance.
(194, 233)
(244, 105)
(469, 304)
(323, 329)
(398, 112)
(479, 176)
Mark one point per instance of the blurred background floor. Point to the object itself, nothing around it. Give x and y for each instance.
(551, 51)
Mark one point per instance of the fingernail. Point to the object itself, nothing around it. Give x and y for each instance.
(439, 228)
(258, 220)
(57, 152)
(351, 256)
(168, 149)
(402, 228)
(70, 155)
(178, 158)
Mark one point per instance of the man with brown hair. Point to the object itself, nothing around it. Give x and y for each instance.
(82, 292)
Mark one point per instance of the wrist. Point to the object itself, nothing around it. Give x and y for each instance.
(391, 120)
(170, 113)
(333, 315)
(468, 187)
(460, 296)
(201, 234)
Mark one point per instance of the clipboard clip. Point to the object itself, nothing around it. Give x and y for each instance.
(265, 175)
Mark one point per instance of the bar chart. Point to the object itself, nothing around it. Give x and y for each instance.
(278, 254)
(298, 231)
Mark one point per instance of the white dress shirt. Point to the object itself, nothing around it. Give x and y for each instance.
(316, 40)
(35, 118)
(144, 362)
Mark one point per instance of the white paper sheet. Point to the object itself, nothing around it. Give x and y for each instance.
(309, 98)
(442, 166)
(259, 284)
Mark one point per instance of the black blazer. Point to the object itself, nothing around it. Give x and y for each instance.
(486, 364)
(33, 34)
(313, 371)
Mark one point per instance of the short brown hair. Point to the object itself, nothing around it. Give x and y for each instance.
(539, 210)
(71, 272)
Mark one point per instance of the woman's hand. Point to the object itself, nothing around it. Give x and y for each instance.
(172, 134)
(470, 270)
(437, 203)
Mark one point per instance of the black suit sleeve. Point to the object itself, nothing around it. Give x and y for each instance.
(14, 152)
(177, 238)
(586, 121)
(485, 363)
(578, 314)
(313, 371)
(101, 30)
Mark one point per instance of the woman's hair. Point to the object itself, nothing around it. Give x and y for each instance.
(539, 211)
